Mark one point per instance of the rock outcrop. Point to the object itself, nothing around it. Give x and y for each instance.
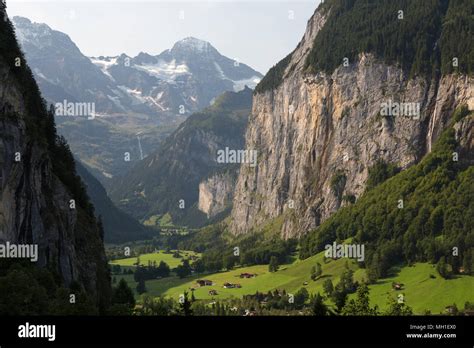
(215, 194)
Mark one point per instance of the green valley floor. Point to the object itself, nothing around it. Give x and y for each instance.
(423, 289)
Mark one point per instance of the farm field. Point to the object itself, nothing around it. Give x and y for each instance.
(158, 256)
(420, 291)
(290, 277)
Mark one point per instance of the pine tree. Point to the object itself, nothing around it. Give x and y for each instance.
(339, 296)
(443, 268)
(141, 287)
(185, 305)
(328, 288)
(318, 307)
(397, 309)
(316, 271)
(123, 295)
(273, 266)
(301, 297)
(361, 305)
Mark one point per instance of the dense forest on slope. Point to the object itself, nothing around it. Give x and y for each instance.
(418, 215)
(422, 37)
(274, 76)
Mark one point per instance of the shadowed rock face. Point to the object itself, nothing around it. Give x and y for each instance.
(313, 127)
(34, 203)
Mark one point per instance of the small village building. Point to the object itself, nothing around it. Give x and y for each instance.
(451, 309)
(397, 286)
(231, 286)
(204, 282)
(249, 313)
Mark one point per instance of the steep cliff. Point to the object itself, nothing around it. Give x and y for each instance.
(42, 200)
(318, 126)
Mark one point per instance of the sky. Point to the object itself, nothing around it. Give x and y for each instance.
(258, 32)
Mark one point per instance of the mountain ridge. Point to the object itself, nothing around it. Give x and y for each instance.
(168, 181)
(143, 97)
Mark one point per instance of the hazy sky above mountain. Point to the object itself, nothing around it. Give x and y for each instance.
(258, 33)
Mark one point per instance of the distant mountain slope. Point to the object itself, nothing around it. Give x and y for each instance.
(190, 74)
(138, 100)
(187, 158)
(118, 226)
(62, 71)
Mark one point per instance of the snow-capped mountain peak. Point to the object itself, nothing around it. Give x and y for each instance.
(191, 44)
(178, 81)
(190, 74)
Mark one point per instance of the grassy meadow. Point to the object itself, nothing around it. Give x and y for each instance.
(161, 255)
(421, 291)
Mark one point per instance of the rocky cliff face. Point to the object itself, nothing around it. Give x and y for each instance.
(464, 134)
(318, 134)
(215, 194)
(34, 203)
